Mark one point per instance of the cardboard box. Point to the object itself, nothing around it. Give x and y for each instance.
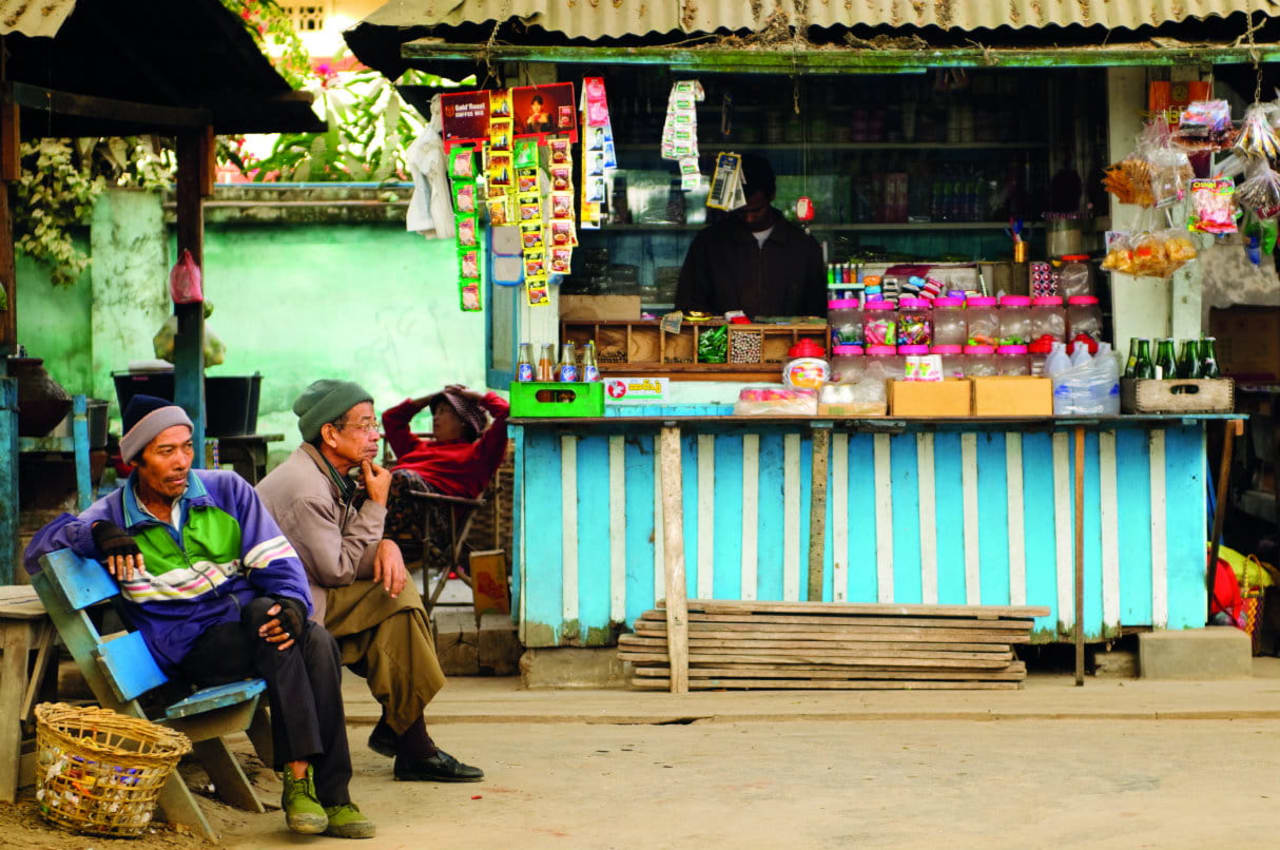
(599, 307)
(933, 399)
(1248, 342)
(1008, 395)
(489, 582)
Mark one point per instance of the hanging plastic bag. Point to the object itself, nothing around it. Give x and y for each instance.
(1260, 191)
(1213, 203)
(184, 280)
(1257, 138)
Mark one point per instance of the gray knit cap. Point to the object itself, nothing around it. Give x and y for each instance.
(145, 416)
(324, 401)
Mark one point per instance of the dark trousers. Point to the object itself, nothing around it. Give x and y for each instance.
(303, 690)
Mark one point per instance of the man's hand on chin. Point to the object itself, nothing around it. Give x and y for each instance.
(389, 569)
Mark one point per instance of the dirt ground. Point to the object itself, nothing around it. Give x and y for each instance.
(1031, 783)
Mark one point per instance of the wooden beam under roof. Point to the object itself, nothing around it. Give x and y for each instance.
(158, 117)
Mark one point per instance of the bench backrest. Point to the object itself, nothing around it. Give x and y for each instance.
(118, 668)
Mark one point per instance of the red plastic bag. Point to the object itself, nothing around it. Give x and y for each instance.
(184, 280)
(1226, 594)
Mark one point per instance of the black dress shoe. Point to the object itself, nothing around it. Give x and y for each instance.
(440, 767)
(382, 740)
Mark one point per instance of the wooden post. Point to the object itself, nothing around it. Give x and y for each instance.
(673, 558)
(193, 170)
(10, 555)
(818, 509)
(10, 167)
(1231, 429)
(1079, 493)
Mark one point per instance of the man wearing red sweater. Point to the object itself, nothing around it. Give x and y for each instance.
(459, 460)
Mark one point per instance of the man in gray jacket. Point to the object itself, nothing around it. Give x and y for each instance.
(359, 584)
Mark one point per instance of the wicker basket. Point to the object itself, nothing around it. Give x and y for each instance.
(99, 771)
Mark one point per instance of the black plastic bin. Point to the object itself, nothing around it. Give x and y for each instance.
(230, 401)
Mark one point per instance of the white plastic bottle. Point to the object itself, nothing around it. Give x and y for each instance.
(1057, 361)
(1079, 354)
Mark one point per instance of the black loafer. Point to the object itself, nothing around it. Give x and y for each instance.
(440, 767)
(382, 740)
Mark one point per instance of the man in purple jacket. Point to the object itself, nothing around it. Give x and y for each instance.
(218, 595)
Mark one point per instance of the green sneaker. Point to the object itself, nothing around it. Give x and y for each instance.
(345, 821)
(302, 811)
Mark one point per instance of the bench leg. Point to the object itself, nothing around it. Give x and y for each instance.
(15, 640)
(259, 733)
(225, 774)
(178, 805)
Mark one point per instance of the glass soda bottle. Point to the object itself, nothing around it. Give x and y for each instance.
(1144, 368)
(1131, 365)
(1209, 359)
(546, 361)
(567, 368)
(1166, 362)
(590, 371)
(1189, 359)
(524, 364)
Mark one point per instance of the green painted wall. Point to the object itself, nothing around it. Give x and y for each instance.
(365, 302)
(362, 301)
(53, 322)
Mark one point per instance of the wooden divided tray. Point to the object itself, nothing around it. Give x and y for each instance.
(642, 347)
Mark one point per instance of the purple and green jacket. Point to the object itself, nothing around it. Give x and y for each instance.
(225, 551)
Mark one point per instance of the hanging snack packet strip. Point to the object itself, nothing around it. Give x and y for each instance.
(462, 174)
(532, 231)
(680, 130)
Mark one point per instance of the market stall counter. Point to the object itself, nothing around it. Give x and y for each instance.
(962, 511)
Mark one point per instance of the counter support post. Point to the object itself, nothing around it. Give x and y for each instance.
(818, 510)
(1231, 429)
(673, 558)
(1079, 517)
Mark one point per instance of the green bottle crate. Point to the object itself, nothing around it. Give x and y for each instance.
(588, 399)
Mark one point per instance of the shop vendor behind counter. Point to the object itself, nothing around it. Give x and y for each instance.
(753, 259)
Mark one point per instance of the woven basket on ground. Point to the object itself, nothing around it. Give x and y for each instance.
(99, 771)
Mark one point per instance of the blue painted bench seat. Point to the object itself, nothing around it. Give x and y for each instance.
(119, 669)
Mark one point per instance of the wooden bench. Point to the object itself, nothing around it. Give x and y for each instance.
(119, 669)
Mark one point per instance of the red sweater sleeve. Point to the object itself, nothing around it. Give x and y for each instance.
(395, 424)
(491, 448)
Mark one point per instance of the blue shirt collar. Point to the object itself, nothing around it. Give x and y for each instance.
(135, 515)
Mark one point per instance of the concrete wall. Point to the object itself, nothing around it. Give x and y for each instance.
(331, 296)
(365, 302)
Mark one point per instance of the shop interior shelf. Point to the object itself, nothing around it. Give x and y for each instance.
(814, 146)
(866, 226)
(642, 346)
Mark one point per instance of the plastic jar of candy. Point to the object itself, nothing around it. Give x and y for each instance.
(808, 368)
(949, 327)
(884, 364)
(1075, 277)
(952, 359)
(848, 364)
(980, 361)
(1012, 360)
(911, 355)
(844, 318)
(1084, 316)
(1048, 319)
(982, 321)
(879, 324)
(1015, 320)
(915, 324)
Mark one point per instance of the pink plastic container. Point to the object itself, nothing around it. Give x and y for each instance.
(982, 321)
(1015, 320)
(1012, 360)
(949, 324)
(980, 361)
(952, 359)
(879, 324)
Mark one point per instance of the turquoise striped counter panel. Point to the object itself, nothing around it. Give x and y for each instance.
(956, 512)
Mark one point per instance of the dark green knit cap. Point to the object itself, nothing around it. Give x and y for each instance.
(324, 401)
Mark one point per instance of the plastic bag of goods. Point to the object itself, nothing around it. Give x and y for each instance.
(776, 401)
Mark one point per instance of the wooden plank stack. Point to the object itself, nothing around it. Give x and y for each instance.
(835, 646)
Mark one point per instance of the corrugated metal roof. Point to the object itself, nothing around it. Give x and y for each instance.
(34, 17)
(618, 18)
